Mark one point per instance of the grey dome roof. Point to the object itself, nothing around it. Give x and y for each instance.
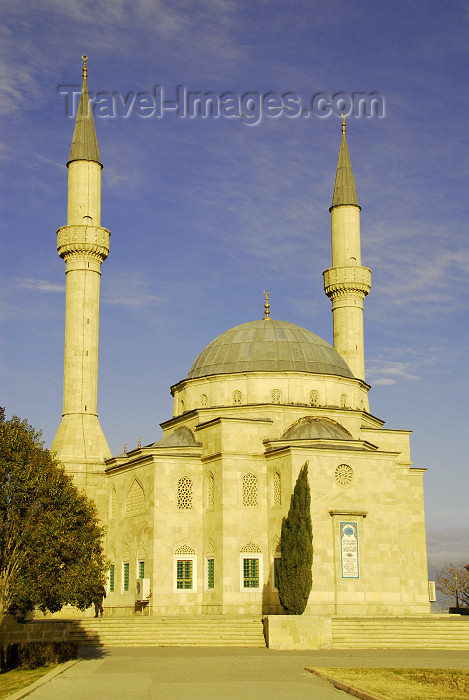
(181, 437)
(268, 346)
(313, 428)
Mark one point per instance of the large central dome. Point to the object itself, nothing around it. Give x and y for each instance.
(268, 346)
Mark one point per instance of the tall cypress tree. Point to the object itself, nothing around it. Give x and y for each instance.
(294, 570)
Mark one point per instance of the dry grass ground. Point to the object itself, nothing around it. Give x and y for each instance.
(404, 683)
(18, 678)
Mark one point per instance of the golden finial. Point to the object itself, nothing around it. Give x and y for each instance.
(139, 440)
(343, 123)
(266, 305)
(85, 72)
(125, 448)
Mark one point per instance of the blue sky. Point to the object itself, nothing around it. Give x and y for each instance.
(206, 213)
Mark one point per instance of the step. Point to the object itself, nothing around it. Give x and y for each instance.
(183, 631)
(406, 633)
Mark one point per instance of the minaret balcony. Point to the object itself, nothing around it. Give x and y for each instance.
(339, 281)
(83, 240)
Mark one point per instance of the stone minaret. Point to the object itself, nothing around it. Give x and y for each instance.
(83, 244)
(347, 282)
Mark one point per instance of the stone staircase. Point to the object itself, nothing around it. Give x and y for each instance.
(219, 631)
(426, 632)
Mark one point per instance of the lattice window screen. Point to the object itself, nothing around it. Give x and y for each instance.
(113, 502)
(135, 499)
(276, 396)
(210, 491)
(250, 547)
(184, 494)
(314, 398)
(250, 497)
(277, 490)
(185, 550)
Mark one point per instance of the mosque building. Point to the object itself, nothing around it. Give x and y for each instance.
(193, 520)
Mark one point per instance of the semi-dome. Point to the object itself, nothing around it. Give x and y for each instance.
(268, 346)
(314, 428)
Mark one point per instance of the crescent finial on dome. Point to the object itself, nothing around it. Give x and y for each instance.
(267, 305)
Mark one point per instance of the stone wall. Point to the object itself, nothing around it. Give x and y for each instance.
(12, 632)
(298, 632)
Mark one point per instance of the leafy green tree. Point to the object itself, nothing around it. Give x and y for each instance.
(50, 540)
(296, 545)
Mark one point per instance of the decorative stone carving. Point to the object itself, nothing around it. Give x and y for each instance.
(113, 502)
(277, 490)
(340, 281)
(210, 491)
(250, 498)
(250, 547)
(184, 493)
(185, 550)
(90, 241)
(210, 547)
(135, 503)
(314, 398)
(343, 475)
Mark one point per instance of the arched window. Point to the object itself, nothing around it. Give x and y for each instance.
(314, 398)
(250, 496)
(237, 398)
(277, 490)
(343, 401)
(135, 503)
(140, 560)
(185, 569)
(125, 575)
(111, 581)
(203, 400)
(251, 566)
(210, 566)
(276, 396)
(184, 493)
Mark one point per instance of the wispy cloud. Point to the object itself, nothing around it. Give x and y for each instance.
(383, 381)
(386, 367)
(420, 278)
(386, 373)
(132, 290)
(39, 285)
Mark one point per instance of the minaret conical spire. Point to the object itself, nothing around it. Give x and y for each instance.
(84, 142)
(345, 191)
(347, 282)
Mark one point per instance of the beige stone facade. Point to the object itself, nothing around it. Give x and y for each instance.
(238, 465)
(197, 514)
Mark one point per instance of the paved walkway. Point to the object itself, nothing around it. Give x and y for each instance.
(161, 673)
